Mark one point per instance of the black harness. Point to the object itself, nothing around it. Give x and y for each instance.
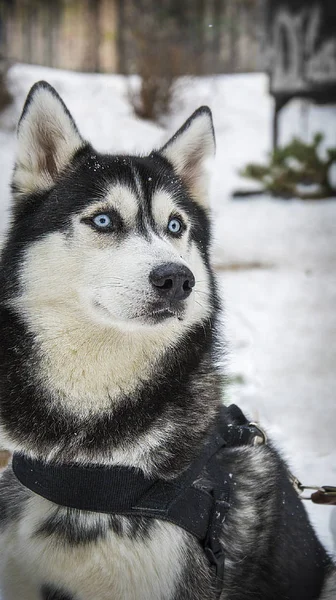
(127, 491)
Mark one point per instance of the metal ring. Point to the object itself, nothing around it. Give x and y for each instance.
(262, 438)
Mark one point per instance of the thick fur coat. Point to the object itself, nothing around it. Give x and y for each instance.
(108, 320)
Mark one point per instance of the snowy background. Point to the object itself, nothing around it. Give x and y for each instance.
(275, 260)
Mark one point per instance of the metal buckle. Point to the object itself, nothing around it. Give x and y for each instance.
(300, 488)
(326, 490)
(261, 437)
(308, 487)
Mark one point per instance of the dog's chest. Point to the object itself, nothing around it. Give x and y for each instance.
(124, 565)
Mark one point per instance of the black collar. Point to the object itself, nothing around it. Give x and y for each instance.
(114, 489)
(127, 491)
(123, 490)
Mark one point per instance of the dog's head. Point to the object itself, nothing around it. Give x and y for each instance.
(119, 241)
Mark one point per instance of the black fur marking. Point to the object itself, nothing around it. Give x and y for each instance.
(49, 592)
(13, 497)
(138, 528)
(70, 528)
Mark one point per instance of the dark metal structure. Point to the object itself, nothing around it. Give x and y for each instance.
(299, 46)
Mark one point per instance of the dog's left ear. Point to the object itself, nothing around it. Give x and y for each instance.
(47, 141)
(190, 150)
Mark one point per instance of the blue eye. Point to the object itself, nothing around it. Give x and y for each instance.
(102, 221)
(175, 225)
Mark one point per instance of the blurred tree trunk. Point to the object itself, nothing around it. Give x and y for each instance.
(94, 35)
(5, 97)
(120, 38)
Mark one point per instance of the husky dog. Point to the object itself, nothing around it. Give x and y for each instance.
(108, 315)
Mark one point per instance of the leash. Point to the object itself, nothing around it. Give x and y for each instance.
(325, 494)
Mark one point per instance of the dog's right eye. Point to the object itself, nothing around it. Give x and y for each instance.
(102, 221)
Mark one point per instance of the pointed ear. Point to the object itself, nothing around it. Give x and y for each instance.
(47, 140)
(190, 150)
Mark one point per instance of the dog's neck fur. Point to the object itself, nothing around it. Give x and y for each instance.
(87, 367)
(169, 406)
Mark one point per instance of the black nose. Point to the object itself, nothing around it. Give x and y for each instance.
(172, 280)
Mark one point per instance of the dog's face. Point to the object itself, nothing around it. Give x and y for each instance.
(112, 240)
(132, 254)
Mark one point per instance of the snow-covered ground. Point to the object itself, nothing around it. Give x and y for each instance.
(276, 260)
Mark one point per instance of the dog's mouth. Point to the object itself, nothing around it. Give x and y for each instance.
(150, 314)
(159, 314)
(159, 311)
(162, 314)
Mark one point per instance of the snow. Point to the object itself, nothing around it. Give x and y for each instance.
(281, 325)
(275, 260)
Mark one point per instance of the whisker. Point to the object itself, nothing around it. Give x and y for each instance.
(199, 304)
(202, 292)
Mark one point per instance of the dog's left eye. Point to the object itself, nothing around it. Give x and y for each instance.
(102, 221)
(175, 225)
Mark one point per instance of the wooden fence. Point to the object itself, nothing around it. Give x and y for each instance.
(206, 36)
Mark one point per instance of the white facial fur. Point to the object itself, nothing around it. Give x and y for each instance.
(106, 280)
(85, 293)
(116, 275)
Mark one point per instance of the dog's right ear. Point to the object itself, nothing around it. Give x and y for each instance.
(47, 140)
(189, 152)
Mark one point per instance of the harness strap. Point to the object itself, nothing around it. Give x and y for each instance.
(123, 490)
(127, 491)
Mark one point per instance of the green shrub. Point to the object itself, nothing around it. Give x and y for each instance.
(296, 170)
